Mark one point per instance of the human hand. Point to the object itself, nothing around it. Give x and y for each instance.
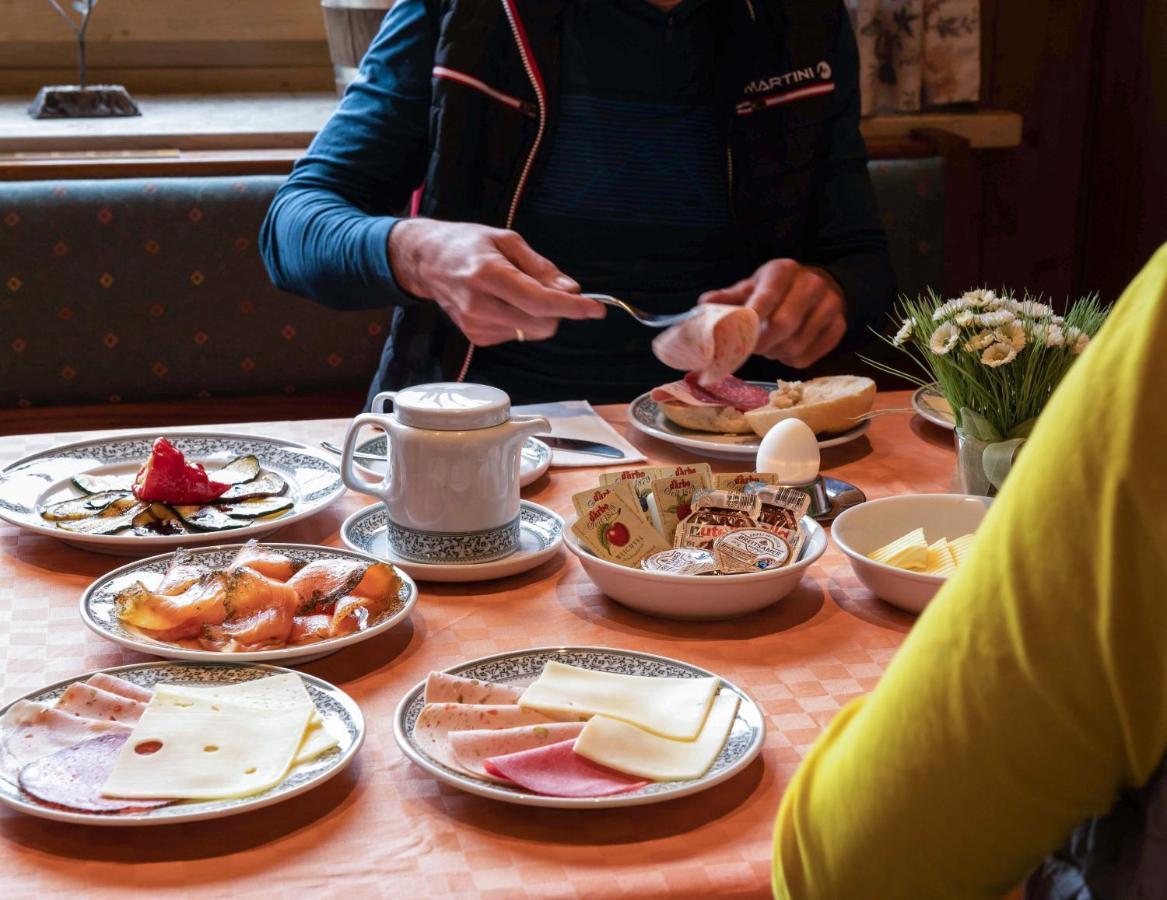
(800, 308)
(488, 281)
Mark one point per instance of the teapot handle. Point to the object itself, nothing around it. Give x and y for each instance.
(378, 404)
(348, 473)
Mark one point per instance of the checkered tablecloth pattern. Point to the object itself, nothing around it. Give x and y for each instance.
(385, 828)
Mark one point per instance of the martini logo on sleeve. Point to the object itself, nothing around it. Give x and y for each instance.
(821, 71)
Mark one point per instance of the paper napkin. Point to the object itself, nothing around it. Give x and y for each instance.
(577, 419)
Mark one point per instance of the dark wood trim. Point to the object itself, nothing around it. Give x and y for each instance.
(163, 164)
(274, 408)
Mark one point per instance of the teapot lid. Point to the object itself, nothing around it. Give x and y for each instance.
(451, 406)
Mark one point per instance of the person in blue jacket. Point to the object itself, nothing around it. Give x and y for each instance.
(658, 150)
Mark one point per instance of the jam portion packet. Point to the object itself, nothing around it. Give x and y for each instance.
(672, 500)
(617, 533)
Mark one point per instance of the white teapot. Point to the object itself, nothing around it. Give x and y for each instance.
(451, 486)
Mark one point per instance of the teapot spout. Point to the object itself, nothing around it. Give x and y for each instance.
(525, 426)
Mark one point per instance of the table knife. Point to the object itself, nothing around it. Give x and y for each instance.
(575, 445)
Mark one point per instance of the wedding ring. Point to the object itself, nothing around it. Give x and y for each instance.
(519, 335)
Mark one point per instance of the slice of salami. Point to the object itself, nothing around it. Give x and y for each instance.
(73, 777)
(558, 771)
(731, 391)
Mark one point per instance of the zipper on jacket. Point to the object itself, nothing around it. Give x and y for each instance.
(525, 107)
(541, 115)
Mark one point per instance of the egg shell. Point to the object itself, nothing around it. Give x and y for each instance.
(791, 451)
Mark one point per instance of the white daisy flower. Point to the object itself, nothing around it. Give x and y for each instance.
(1032, 309)
(965, 319)
(1058, 320)
(995, 319)
(1014, 334)
(998, 354)
(1051, 335)
(904, 333)
(1076, 339)
(981, 298)
(944, 339)
(946, 309)
(979, 342)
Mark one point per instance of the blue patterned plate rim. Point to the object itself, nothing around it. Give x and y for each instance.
(336, 708)
(741, 748)
(97, 601)
(116, 451)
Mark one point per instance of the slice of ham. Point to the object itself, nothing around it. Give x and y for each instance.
(73, 777)
(442, 687)
(558, 771)
(713, 343)
(437, 720)
(120, 686)
(473, 748)
(730, 391)
(30, 731)
(90, 702)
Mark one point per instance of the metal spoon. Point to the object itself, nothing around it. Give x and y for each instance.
(652, 320)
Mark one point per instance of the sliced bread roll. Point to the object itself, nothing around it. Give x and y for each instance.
(833, 403)
(717, 419)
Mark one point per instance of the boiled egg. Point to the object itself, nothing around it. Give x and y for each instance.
(790, 450)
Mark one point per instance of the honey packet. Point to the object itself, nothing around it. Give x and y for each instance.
(737, 481)
(620, 491)
(672, 500)
(617, 533)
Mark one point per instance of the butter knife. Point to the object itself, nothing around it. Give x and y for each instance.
(575, 445)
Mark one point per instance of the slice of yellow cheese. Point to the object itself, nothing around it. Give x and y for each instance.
(634, 751)
(959, 547)
(907, 552)
(671, 707)
(274, 692)
(204, 748)
(940, 560)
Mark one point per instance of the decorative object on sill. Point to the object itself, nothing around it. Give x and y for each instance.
(997, 360)
(916, 54)
(351, 26)
(81, 100)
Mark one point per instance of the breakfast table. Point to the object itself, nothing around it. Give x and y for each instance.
(385, 827)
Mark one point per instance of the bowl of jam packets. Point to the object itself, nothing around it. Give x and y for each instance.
(680, 542)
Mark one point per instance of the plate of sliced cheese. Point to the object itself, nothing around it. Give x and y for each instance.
(579, 728)
(161, 743)
(904, 548)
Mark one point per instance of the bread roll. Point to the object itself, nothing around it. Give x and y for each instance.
(831, 404)
(716, 419)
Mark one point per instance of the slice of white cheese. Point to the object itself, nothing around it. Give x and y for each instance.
(671, 707)
(201, 748)
(275, 692)
(634, 751)
(959, 548)
(940, 560)
(907, 552)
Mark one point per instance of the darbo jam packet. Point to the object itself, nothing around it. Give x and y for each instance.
(672, 500)
(620, 491)
(737, 481)
(617, 534)
(639, 480)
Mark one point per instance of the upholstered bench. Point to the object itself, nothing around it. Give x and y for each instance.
(126, 292)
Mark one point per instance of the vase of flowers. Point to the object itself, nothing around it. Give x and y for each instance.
(997, 360)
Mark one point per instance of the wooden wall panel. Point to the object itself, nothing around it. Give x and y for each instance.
(1037, 61)
(1124, 215)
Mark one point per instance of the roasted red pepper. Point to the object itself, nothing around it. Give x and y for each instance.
(167, 476)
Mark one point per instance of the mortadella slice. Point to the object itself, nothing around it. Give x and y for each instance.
(437, 720)
(120, 686)
(558, 771)
(30, 731)
(472, 748)
(682, 392)
(442, 687)
(73, 777)
(713, 344)
(89, 702)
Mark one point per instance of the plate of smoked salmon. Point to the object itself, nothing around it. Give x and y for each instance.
(277, 603)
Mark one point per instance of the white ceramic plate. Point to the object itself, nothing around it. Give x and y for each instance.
(341, 715)
(645, 415)
(931, 405)
(876, 523)
(99, 609)
(540, 536)
(523, 666)
(698, 597)
(31, 483)
(534, 458)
